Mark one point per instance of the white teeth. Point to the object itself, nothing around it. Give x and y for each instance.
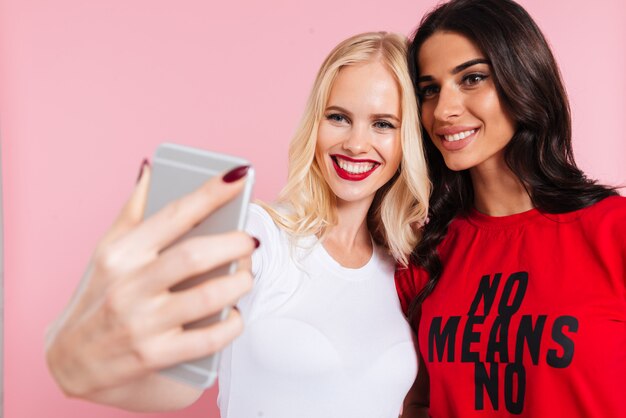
(459, 135)
(354, 168)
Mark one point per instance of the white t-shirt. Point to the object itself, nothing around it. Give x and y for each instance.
(320, 340)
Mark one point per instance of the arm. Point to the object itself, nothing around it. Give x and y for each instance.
(153, 393)
(123, 323)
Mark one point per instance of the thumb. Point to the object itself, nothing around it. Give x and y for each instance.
(132, 213)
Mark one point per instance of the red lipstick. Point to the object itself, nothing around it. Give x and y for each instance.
(346, 175)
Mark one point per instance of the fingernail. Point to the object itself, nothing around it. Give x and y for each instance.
(235, 174)
(144, 163)
(256, 242)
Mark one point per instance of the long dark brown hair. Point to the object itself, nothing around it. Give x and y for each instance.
(529, 85)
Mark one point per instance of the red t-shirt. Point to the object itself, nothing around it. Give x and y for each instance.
(529, 316)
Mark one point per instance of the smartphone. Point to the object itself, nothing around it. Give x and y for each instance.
(176, 171)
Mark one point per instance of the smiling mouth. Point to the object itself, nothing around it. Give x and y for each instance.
(458, 136)
(351, 169)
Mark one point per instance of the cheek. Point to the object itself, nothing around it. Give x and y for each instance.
(328, 136)
(426, 119)
(321, 136)
(425, 112)
(486, 106)
(426, 115)
(507, 125)
(319, 160)
(393, 152)
(496, 118)
(324, 137)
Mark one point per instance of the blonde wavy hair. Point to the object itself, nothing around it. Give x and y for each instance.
(400, 207)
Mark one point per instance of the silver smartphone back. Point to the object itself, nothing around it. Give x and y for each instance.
(176, 171)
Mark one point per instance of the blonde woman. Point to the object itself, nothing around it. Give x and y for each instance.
(325, 335)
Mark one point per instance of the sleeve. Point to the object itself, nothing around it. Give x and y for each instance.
(260, 225)
(407, 285)
(606, 227)
(618, 230)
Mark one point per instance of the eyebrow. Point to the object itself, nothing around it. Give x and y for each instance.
(458, 68)
(374, 116)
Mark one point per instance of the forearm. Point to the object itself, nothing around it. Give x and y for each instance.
(153, 393)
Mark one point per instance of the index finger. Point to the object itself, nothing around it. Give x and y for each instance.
(177, 217)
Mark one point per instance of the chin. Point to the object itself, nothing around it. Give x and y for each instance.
(352, 197)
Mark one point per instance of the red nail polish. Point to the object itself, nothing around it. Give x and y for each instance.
(235, 174)
(144, 163)
(256, 242)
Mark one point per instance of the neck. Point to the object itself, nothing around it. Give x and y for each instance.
(498, 191)
(349, 241)
(351, 228)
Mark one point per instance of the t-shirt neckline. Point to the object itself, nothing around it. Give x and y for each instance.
(349, 273)
(484, 220)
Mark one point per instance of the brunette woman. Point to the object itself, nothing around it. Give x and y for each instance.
(517, 288)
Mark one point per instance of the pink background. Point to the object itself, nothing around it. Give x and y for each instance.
(89, 88)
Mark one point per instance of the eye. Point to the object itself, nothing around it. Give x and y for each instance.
(474, 78)
(383, 124)
(428, 91)
(337, 118)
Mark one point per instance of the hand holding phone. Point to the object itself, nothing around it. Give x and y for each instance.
(130, 316)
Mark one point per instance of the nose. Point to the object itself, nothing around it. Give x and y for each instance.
(449, 103)
(358, 139)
